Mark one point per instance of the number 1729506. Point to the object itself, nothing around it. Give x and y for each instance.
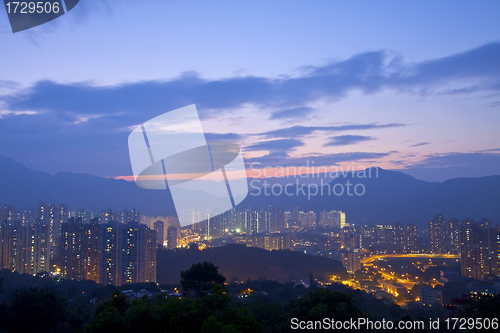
(471, 323)
(32, 7)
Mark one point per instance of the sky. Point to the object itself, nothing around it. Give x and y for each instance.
(412, 86)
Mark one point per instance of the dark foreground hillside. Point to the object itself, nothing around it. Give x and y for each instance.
(239, 263)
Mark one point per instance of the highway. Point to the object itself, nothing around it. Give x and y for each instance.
(367, 262)
(370, 259)
(389, 276)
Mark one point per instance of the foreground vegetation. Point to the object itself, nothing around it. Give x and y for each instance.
(206, 305)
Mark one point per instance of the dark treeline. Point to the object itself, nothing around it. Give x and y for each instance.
(46, 304)
(84, 291)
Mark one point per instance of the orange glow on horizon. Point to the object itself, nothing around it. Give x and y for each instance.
(277, 172)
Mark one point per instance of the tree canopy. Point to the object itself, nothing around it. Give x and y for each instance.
(201, 278)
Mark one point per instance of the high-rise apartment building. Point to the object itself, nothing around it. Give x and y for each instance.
(276, 218)
(133, 216)
(342, 220)
(411, 239)
(130, 244)
(331, 219)
(148, 263)
(53, 216)
(288, 220)
(159, 227)
(279, 241)
(352, 262)
(135, 253)
(475, 249)
(256, 223)
(109, 250)
(79, 249)
(294, 214)
(8, 213)
(172, 238)
(84, 215)
(229, 221)
(109, 253)
(27, 217)
(307, 220)
(112, 253)
(399, 239)
(453, 236)
(350, 240)
(93, 259)
(494, 243)
(24, 248)
(437, 235)
(104, 216)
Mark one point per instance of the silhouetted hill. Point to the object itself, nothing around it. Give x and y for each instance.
(239, 263)
(462, 198)
(393, 197)
(23, 188)
(389, 196)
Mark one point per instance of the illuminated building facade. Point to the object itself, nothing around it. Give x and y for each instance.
(453, 236)
(479, 249)
(278, 241)
(437, 235)
(276, 218)
(24, 248)
(159, 227)
(172, 238)
(53, 216)
(112, 253)
(411, 239)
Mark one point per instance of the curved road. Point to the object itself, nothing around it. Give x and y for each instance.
(412, 255)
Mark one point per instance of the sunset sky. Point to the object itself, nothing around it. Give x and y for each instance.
(413, 86)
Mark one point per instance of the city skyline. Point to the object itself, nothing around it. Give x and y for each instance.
(120, 247)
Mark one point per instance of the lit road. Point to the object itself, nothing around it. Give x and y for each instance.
(407, 283)
(369, 260)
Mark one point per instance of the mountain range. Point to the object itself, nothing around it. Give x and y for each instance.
(387, 196)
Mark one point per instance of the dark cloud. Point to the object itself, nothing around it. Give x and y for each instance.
(301, 131)
(292, 113)
(276, 145)
(282, 159)
(481, 160)
(440, 167)
(271, 159)
(479, 63)
(344, 140)
(230, 137)
(489, 150)
(8, 84)
(420, 144)
(291, 132)
(366, 72)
